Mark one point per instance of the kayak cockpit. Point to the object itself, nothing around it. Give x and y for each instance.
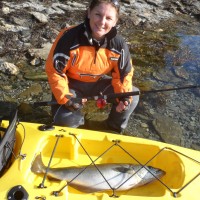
(69, 147)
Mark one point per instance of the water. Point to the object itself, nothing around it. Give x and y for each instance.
(187, 56)
(192, 42)
(168, 57)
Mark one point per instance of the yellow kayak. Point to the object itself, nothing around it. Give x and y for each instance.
(69, 147)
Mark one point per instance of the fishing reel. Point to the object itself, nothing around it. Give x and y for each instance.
(101, 103)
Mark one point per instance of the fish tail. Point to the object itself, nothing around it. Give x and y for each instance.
(38, 166)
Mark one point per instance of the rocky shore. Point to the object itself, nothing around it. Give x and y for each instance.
(28, 29)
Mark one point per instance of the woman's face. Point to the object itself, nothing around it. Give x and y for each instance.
(102, 18)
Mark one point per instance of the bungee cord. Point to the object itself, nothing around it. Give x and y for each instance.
(118, 144)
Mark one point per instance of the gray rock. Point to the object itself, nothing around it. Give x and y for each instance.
(40, 17)
(181, 72)
(36, 6)
(35, 89)
(196, 146)
(4, 26)
(37, 76)
(21, 22)
(5, 10)
(169, 130)
(126, 1)
(42, 52)
(165, 75)
(35, 61)
(25, 36)
(9, 68)
(144, 125)
(154, 2)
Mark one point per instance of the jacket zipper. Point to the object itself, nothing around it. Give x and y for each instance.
(96, 51)
(95, 56)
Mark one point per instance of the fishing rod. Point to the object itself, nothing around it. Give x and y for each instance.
(113, 95)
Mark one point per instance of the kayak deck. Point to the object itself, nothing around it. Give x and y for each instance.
(76, 147)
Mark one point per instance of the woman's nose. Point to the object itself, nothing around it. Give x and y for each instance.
(102, 20)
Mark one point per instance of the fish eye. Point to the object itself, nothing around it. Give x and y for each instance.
(153, 169)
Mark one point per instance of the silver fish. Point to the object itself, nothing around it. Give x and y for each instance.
(100, 177)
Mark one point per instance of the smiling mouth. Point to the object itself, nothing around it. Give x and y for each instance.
(100, 28)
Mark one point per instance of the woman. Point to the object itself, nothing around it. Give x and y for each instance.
(90, 59)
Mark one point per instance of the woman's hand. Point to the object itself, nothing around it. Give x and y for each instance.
(71, 105)
(122, 106)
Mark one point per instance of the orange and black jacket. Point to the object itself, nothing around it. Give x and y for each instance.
(76, 55)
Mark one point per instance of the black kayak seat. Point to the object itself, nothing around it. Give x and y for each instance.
(7, 141)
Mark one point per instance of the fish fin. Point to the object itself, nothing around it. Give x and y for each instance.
(123, 170)
(53, 178)
(37, 165)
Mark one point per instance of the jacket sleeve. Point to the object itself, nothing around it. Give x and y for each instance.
(122, 76)
(57, 78)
